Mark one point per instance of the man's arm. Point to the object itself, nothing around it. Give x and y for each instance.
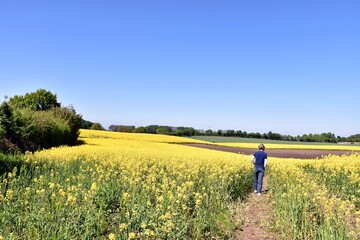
(265, 162)
(253, 159)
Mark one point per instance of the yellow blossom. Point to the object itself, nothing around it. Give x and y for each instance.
(62, 192)
(51, 185)
(132, 235)
(93, 186)
(112, 236)
(123, 226)
(9, 194)
(71, 200)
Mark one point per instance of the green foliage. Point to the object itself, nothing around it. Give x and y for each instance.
(230, 133)
(273, 136)
(209, 132)
(140, 130)
(2, 132)
(38, 100)
(163, 130)
(17, 102)
(10, 139)
(354, 138)
(9, 162)
(156, 129)
(151, 129)
(97, 126)
(86, 124)
(184, 131)
(71, 118)
(324, 137)
(36, 121)
(5, 115)
(3, 122)
(121, 128)
(42, 129)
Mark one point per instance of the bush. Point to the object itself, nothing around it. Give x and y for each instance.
(36, 121)
(97, 126)
(33, 130)
(74, 120)
(2, 132)
(44, 130)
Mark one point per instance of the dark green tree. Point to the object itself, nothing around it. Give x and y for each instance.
(86, 124)
(163, 130)
(184, 131)
(121, 128)
(140, 130)
(6, 120)
(208, 132)
(230, 133)
(354, 138)
(151, 129)
(97, 126)
(239, 133)
(11, 139)
(39, 100)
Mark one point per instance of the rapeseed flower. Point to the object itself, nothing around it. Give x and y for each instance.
(112, 236)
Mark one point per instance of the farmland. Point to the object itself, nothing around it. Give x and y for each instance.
(141, 186)
(282, 149)
(252, 142)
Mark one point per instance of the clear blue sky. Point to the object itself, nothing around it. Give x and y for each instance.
(290, 67)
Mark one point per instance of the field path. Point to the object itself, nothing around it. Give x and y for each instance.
(257, 217)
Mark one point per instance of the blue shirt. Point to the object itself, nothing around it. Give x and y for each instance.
(260, 157)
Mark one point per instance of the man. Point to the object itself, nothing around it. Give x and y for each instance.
(259, 159)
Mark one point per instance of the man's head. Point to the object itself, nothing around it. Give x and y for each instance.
(261, 147)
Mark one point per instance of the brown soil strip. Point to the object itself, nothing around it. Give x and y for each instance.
(257, 217)
(280, 153)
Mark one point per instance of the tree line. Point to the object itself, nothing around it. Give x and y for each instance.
(156, 129)
(36, 121)
(189, 131)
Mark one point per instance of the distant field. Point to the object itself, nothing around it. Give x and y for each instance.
(215, 139)
(273, 144)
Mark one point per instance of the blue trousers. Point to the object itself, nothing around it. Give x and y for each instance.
(258, 178)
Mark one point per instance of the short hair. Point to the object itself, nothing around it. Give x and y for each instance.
(261, 146)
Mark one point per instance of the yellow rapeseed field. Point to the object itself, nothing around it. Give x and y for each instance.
(124, 186)
(317, 199)
(142, 186)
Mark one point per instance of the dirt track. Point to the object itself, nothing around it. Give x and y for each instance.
(280, 153)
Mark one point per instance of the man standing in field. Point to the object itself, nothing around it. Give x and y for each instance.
(259, 159)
